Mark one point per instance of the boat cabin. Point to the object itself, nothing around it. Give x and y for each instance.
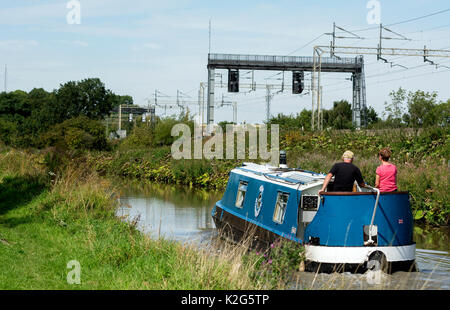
(335, 227)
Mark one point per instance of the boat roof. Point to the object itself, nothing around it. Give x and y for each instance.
(283, 176)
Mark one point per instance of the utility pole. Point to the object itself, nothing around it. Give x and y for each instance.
(181, 103)
(201, 103)
(160, 94)
(334, 37)
(268, 100)
(380, 48)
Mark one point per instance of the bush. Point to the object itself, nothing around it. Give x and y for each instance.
(163, 131)
(8, 131)
(79, 133)
(141, 136)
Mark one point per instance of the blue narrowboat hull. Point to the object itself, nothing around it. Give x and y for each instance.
(334, 228)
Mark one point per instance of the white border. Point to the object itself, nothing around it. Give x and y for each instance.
(357, 255)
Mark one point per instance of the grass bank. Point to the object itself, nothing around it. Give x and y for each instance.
(422, 158)
(49, 219)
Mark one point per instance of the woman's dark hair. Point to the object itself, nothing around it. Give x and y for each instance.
(385, 154)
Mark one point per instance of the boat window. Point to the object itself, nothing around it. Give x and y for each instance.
(310, 202)
(242, 189)
(280, 207)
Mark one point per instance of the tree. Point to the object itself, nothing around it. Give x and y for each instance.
(340, 117)
(393, 111)
(14, 106)
(301, 120)
(25, 116)
(88, 97)
(442, 111)
(422, 108)
(8, 131)
(372, 116)
(304, 118)
(37, 98)
(39, 119)
(125, 100)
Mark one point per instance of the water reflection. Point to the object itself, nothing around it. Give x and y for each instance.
(432, 238)
(168, 211)
(184, 214)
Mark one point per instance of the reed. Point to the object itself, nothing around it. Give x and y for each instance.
(72, 216)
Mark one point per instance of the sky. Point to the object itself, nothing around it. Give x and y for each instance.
(137, 47)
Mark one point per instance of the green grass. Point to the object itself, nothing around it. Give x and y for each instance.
(45, 223)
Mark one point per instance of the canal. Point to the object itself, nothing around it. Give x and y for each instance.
(184, 215)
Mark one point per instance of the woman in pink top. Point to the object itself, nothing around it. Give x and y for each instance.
(386, 179)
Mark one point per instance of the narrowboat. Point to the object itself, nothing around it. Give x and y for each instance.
(340, 231)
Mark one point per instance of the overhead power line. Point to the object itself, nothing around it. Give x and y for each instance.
(310, 42)
(420, 17)
(404, 21)
(376, 27)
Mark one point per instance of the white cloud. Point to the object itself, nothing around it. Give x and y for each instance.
(74, 43)
(33, 14)
(17, 45)
(152, 46)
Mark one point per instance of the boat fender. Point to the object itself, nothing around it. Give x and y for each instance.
(377, 261)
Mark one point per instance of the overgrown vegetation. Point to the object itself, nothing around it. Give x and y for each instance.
(421, 156)
(49, 220)
(56, 207)
(406, 109)
(415, 126)
(278, 263)
(27, 119)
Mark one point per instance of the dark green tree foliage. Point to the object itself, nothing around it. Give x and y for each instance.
(14, 106)
(372, 116)
(417, 109)
(88, 97)
(8, 131)
(25, 117)
(159, 134)
(422, 109)
(21, 114)
(340, 117)
(76, 133)
(443, 112)
(118, 100)
(301, 120)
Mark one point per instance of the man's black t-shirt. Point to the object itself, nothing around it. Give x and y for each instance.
(345, 175)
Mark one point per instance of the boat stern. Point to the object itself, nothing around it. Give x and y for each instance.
(387, 258)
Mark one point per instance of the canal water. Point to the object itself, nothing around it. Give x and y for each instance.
(184, 215)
